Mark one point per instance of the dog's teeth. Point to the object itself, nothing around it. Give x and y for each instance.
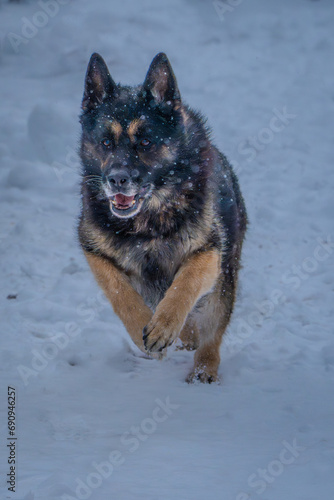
(133, 202)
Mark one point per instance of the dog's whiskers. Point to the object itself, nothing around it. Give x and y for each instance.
(93, 179)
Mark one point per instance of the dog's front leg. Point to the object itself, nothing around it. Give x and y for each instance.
(195, 278)
(126, 302)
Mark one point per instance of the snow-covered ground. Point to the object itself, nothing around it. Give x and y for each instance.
(95, 419)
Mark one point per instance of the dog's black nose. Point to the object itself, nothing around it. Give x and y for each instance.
(118, 178)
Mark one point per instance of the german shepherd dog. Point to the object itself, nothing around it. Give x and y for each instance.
(163, 219)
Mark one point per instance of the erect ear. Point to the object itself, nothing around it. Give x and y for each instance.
(98, 83)
(160, 81)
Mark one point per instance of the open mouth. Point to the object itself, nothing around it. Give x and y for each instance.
(125, 206)
(122, 202)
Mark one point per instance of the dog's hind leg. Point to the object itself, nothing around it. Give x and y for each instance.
(189, 335)
(213, 317)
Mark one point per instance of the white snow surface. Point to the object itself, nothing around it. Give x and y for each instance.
(92, 420)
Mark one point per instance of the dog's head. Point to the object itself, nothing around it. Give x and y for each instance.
(134, 142)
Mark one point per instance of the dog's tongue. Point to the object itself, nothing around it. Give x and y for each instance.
(123, 200)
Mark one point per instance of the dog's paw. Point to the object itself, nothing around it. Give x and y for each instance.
(153, 355)
(202, 375)
(182, 346)
(157, 355)
(158, 334)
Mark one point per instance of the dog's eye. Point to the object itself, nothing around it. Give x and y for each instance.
(145, 143)
(106, 142)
